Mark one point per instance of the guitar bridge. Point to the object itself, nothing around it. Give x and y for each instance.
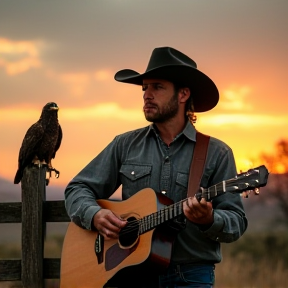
(99, 247)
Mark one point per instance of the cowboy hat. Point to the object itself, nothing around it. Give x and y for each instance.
(170, 64)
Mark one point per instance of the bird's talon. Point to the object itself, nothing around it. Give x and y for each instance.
(57, 173)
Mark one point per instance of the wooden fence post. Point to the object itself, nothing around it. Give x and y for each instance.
(33, 226)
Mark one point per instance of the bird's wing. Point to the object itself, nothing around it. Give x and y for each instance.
(59, 140)
(29, 145)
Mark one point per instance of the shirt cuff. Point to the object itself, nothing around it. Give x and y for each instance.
(217, 225)
(88, 217)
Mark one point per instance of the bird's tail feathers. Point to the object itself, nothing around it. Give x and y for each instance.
(18, 176)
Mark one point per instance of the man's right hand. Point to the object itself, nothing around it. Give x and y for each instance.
(108, 224)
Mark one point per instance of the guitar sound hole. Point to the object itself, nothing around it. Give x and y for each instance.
(130, 233)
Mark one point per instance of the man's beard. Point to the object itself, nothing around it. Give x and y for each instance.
(166, 113)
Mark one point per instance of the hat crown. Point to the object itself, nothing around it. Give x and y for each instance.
(167, 56)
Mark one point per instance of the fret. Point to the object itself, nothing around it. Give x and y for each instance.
(149, 222)
(224, 186)
(179, 208)
(175, 209)
(141, 229)
(145, 223)
(162, 216)
(208, 193)
(155, 219)
(170, 211)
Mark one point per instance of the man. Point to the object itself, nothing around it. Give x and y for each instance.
(159, 157)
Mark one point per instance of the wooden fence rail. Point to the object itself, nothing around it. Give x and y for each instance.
(33, 212)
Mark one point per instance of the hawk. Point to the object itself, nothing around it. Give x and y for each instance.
(41, 142)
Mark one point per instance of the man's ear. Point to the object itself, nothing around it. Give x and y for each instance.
(184, 94)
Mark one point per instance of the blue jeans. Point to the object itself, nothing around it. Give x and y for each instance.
(188, 275)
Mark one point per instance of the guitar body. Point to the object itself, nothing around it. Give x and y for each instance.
(79, 262)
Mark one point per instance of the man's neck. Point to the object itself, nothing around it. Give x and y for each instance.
(170, 129)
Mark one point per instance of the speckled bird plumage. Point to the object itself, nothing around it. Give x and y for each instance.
(41, 141)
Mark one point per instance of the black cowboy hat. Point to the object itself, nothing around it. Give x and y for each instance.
(170, 64)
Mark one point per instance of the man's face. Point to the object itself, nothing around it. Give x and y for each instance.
(160, 100)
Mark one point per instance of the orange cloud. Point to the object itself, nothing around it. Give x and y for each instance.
(19, 56)
(19, 114)
(77, 82)
(103, 75)
(103, 111)
(247, 121)
(234, 98)
(97, 112)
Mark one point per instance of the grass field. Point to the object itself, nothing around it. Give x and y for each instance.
(254, 261)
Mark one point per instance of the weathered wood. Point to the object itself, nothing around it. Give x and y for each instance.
(33, 227)
(33, 212)
(54, 211)
(52, 268)
(11, 212)
(10, 270)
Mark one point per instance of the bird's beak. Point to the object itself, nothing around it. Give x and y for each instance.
(54, 108)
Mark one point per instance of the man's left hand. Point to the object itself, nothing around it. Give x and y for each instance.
(198, 212)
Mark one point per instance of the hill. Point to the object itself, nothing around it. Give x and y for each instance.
(9, 192)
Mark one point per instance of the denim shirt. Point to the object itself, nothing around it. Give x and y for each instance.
(139, 159)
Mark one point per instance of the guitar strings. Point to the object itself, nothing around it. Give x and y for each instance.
(150, 221)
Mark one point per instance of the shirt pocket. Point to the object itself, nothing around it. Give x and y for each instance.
(134, 177)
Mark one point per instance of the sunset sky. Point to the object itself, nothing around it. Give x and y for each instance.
(68, 52)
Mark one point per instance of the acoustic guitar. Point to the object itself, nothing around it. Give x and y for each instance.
(89, 261)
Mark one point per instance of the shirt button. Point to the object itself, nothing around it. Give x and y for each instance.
(132, 173)
(163, 192)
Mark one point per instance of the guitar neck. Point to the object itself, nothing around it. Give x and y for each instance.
(250, 180)
(163, 215)
(174, 210)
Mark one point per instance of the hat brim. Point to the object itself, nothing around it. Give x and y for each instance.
(203, 90)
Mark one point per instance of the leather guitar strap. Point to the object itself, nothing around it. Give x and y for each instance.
(197, 164)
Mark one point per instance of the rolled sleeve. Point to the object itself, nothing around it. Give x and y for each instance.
(98, 180)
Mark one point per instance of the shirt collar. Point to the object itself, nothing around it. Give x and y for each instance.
(189, 131)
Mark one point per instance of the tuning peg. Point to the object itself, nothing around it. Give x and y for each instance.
(256, 191)
(245, 194)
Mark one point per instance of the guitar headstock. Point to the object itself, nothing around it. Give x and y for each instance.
(252, 179)
(243, 183)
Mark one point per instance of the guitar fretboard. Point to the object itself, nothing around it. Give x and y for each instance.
(251, 179)
(163, 215)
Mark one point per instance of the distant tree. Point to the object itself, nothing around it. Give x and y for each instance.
(277, 162)
(278, 165)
